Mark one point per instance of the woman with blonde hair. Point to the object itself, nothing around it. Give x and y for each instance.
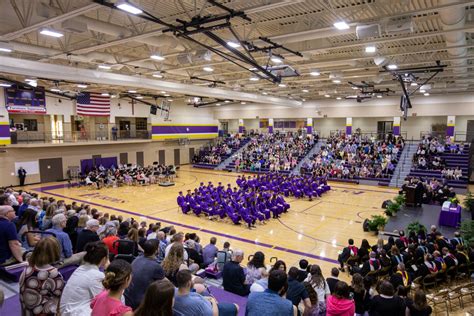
(46, 217)
(41, 284)
(174, 262)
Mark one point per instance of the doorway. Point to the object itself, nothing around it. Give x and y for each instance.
(470, 131)
(191, 155)
(51, 169)
(161, 157)
(177, 157)
(124, 129)
(384, 128)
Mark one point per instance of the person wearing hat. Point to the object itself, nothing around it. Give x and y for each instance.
(10, 247)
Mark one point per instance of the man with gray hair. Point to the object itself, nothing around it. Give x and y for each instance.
(24, 205)
(88, 234)
(233, 276)
(10, 247)
(65, 245)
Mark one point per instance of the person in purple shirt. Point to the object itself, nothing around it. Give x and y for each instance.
(209, 252)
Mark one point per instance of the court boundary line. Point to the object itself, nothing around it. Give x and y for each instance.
(46, 190)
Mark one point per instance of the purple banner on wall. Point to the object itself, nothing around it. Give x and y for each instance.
(88, 164)
(270, 129)
(184, 129)
(4, 130)
(396, 130)
(348, 130)
(309, 129)
(450, 131)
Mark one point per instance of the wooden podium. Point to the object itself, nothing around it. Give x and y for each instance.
(410, 195)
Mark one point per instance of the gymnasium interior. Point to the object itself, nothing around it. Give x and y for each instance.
(236, 157)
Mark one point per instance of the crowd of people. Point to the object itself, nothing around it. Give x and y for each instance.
(429, 156)
(274, 152)
(428, 191)
(100, 176)
(355, 156)
(222, 148)
(256, 198)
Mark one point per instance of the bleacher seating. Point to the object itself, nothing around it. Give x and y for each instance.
(201, 162)
(451, 160)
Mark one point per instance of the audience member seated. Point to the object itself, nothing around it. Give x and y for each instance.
(86, 281)
(316, 280)
(297, 292)
(209, 252)
(271, 301)
(28, 223)
(261, 284)
(359, 294)
(356, 157)
(347, 252)
(233, 276)
(117, 279)
(65, 245)
(303, 270)
(158, 300)
(10, 247)
(187, 302)
(219, 151)
(419, 306)
(253, 268)
(41, 284)
(145, 270)
(333, 279)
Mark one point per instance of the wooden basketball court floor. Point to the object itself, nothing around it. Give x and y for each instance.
(315, 230)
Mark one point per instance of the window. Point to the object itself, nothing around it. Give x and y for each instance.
(31, 125)
(141, 124)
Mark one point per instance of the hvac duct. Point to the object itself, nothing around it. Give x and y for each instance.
(455, 18)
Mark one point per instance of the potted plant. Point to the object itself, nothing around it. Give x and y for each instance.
(392, 209)
(454, 201)
(377, 223)
(415, 227)
(467, 231)
(469, 203)
(400, 199)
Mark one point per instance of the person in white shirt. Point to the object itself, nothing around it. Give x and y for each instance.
(86, 282)
(177, 238)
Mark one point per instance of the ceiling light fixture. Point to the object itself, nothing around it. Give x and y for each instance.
(55, 90)
(233, 44)
(265, 93)
(276, 60)
(338, 98)
(426, 94)
(170, 100)
(208, 69)
(336, 81)
(304, 100)
(51, 32)
(139, 97)
(282, 85)
(254, 79)
(166, 95)
(128, 7)
(315, 73)
(305, 90)
(157, 57)
(6, 47)
(227, 101)
(414, 84)
(392, 66)
(341, 25)
(355, 88)
(379, 96)
(104, 66)
(422, 90)
(132, 91)
(5, 85)
(163, 92)
(105, 94)
(327, 96)
(243, 103)
(370, 49)
(32, 82)
(82, 85)
(218, 104)
(157, 75)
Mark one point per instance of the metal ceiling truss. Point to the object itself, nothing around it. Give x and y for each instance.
(207, 25)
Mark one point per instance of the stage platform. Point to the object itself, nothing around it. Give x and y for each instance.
(427, 215)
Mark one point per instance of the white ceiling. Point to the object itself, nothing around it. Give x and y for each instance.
(126, 41)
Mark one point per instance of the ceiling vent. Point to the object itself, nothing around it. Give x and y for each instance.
(368, 31)
(399, 25)
(184, 59)
(202, 55)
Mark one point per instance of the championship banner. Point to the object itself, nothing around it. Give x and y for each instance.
(396, 125)
(270, 126)
(451, 124)
(348, 126)
(24, 100)
(309, 125)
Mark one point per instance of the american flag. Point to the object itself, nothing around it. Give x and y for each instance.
(92, 104)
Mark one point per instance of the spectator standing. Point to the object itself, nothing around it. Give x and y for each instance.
(386, 304)
(145, 270)
(86, 282)
(117, 279)
(10, 247)
(41, 284)
(340, 303)
(158, 300)
(271, 301)
(22, 175)
(419, 306)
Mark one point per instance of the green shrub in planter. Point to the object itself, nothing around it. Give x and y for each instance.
(468, 203)
(415, 227)
(377, 222)
(467, 230)
(400, 199)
